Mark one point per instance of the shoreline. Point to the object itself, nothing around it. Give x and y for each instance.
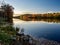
(33, 41)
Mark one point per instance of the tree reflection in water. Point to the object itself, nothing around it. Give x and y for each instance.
(10, 36)
(42, 19)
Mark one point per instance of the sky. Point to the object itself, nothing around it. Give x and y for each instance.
(34, 6)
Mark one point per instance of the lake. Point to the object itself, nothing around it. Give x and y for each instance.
(48, 29)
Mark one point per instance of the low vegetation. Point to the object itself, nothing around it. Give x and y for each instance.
(6, 34)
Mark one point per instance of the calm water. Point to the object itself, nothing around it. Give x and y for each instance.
(38, 29)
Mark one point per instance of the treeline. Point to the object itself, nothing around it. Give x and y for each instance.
(49, 16)
(43, 16)
(6, 12)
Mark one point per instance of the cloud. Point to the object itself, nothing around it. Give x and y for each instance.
(50, 12)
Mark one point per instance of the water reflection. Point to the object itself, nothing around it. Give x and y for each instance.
(37, 19)
(41, 28)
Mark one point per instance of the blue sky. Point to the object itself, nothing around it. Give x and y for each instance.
(34, 6)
